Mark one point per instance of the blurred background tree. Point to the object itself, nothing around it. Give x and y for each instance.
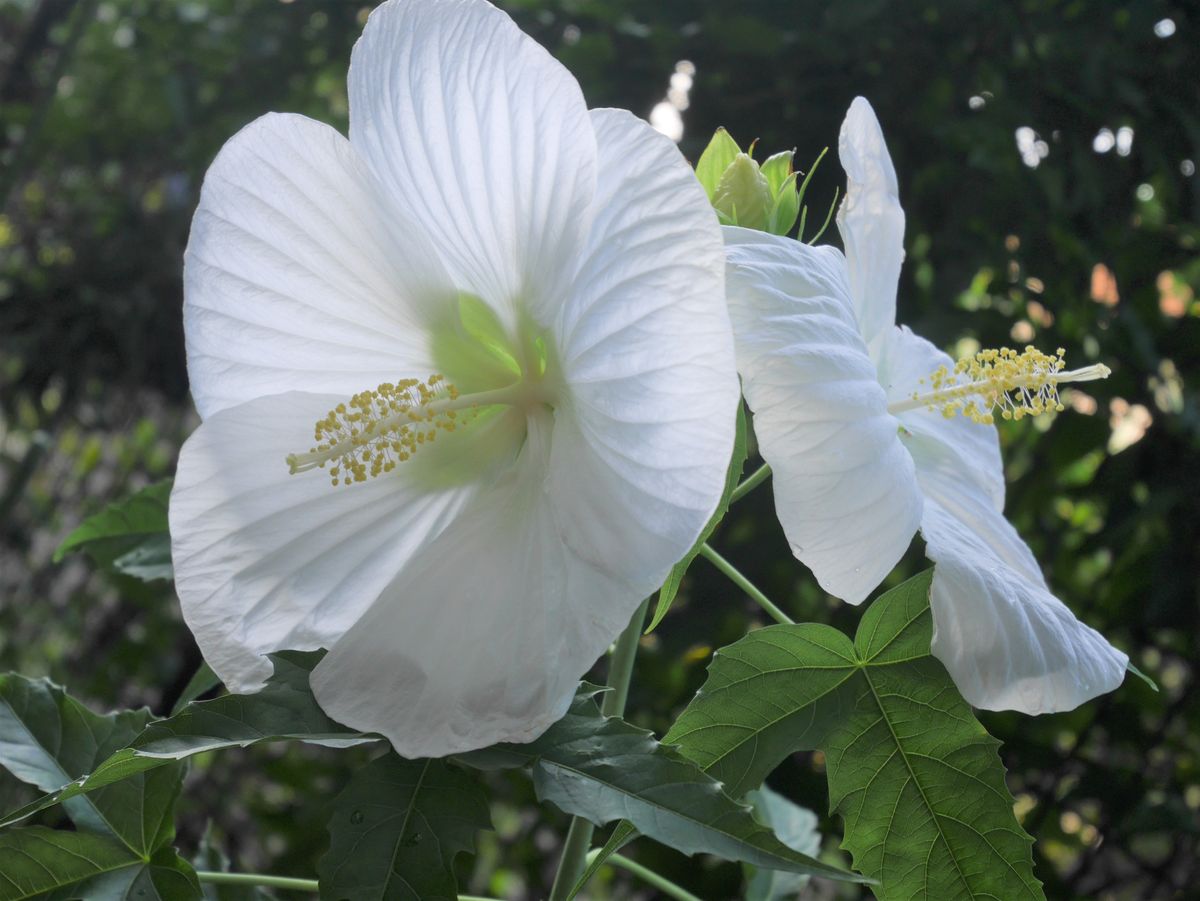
(1047, 154)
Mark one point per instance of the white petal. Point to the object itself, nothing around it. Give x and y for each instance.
(845, 492)
(486, 139)
(871, 222)
(1008, 643)
(299, 275)
(642, 446)
(265, 560)
(485, 635)
(970, 450)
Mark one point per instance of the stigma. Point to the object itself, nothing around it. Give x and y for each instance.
(1003, 381)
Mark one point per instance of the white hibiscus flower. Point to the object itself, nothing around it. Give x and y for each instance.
(871, 431)
(484, 263)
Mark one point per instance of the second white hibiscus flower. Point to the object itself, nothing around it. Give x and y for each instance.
(872, 432)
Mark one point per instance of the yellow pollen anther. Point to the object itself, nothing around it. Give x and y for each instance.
(372, 432)
(375, 430)
(1015, 384)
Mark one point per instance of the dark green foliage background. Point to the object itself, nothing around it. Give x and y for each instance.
(110, 112)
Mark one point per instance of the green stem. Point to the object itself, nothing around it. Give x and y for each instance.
(620, 667)
(662, 883)
(579, 834)
(707, 552)
(751, 482)
(282, 882)
(264, 879)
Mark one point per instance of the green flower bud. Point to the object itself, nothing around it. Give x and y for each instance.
(745, 194)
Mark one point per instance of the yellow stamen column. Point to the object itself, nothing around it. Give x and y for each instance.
(1016, 384)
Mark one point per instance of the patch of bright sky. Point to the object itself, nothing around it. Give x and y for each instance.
(667, 115)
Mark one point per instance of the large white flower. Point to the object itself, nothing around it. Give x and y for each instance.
(484, 263)
(870, 437)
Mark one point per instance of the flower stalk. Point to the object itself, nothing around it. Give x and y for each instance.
(620, 672)
(751, 482)
(648, 876)
(735, 576)
(288, 883)
(266, 880)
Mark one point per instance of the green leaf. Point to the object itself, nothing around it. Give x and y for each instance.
(604, 769)
(670, 588)
(785, 819)
(396, 829)
(796, 827)
(720, 152)
(284, 709)
(164, 877)
(148, 561)
(37, 860)
(49, 739)
(914, 775)
(129, 536)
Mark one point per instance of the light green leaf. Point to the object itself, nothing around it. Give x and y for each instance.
(604, 769)
(777, 169)
(715, 159)
(670, 588)
(284, 710)
(396, 829)
(47, 738)
(796, 827)
(914, 775)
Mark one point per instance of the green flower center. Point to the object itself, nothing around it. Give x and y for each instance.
(476, 409)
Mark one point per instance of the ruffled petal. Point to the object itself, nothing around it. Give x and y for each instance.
(871, 222)
(299, 274)
(642, 446)
(845, 491)
(1008, 643)
(969, 449)
(484, 136)
(486, 633)
(265, 560)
